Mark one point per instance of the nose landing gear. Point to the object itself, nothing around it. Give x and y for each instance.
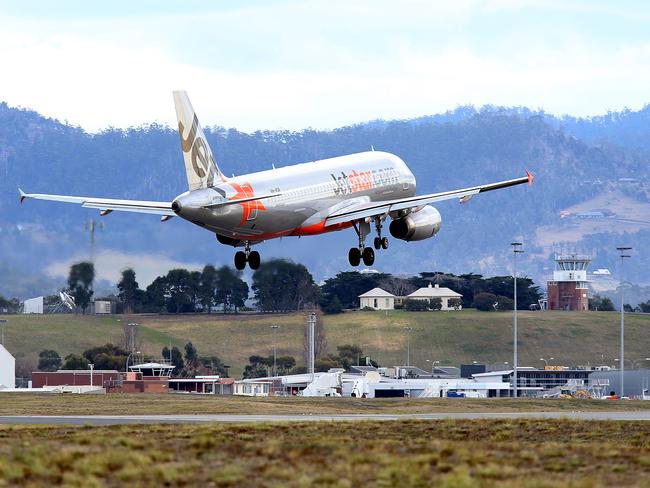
(247, 256)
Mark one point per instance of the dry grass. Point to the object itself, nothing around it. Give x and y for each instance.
(452, 338)
(528, 453)
(138, 404)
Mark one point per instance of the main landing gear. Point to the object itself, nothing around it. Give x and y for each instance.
(247, 256)
(367, 254)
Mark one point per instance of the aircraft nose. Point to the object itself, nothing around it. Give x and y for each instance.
(176, 206)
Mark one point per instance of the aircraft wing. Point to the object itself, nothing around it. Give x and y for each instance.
(375, 209)
(107, 205)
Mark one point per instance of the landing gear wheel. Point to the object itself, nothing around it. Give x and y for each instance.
(354, 256)
(384, 243)
(368, 256)
(240, 260)
(377, 243)
(254, 260)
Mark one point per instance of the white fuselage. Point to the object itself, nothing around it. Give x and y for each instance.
(299, 197)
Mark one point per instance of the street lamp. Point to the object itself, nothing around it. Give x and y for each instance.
(546, 360)
(516, 249)
(126, 366)
(3, 322)
(433, 364)
(408, 345)
(622, 251)
(275, 348)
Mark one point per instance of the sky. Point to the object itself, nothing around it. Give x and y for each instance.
(322, 64)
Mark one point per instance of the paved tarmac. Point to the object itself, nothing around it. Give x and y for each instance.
(187, 419)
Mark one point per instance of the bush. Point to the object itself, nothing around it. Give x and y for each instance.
(416, 305)
(505, 303)
(330, 304)
(367, 309)
(485, 302)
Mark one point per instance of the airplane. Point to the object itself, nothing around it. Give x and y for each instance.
(356, 190)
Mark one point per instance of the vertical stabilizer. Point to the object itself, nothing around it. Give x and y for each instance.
(201, 168)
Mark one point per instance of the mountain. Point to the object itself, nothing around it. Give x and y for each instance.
(575, 175)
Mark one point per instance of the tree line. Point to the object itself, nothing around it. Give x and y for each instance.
(342, 291)
(111, 357)
(281, 285)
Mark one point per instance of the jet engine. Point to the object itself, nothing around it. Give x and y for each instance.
(417, 226)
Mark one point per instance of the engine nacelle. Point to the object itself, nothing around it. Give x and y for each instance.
(417, 226)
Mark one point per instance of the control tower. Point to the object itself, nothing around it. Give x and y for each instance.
(568, 289)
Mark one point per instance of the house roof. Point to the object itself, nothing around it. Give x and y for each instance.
(377, 292)
(434, 292)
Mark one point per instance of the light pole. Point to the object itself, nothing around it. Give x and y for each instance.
(132, 332)
(433, 364)
(3, 322)
(275, 328)
(516, 249)
(126, 366)
(312, 348)
(633, 362)
(408, 345)
(546, 360)
(622, 253)
(92, 367)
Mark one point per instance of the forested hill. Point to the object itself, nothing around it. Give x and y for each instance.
(452, 150)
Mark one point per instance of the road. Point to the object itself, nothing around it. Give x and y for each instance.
(185, 419)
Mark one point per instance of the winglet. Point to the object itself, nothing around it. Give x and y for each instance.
(23, 195)
(530, 178)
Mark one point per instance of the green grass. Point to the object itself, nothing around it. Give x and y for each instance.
(449, 337)
(519, 453)
(174, 404)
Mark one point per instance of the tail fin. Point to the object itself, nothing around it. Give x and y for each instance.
(200, 166)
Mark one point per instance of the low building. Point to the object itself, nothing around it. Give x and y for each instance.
(33, 306)
(378, 299)
(533, 381)
(206, 385)
(7, 369)
(104, 307)
(73, 377)
(435, 291)
(149, 377)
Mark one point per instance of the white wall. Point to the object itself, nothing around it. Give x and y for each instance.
(380, 303)
(7, 369)
(33, 305)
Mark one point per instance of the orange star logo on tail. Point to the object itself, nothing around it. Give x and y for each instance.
(245, 190)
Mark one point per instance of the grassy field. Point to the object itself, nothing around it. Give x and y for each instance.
(171, 404)
(521, 453)
(448, 337)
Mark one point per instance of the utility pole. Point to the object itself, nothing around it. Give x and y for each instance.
(622, 253)
(408, 345)
(312, 326)
(516, 249)
(275, 348)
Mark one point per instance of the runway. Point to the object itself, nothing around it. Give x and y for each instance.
(229, 418)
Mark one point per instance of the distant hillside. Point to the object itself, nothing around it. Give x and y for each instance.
(452, 150)
(572, 338)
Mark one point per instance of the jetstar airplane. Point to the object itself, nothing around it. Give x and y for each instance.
(357, 190)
